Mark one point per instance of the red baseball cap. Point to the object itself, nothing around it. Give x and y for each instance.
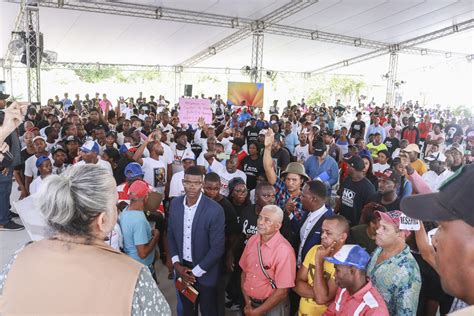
(393, 217)
(138, 189)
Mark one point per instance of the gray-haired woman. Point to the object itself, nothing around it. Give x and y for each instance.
(75, 271)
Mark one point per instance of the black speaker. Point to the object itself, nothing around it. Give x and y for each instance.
(188, 90)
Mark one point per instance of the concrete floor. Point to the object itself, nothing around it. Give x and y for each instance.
(12, 241)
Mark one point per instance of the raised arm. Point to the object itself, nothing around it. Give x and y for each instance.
(267, 157)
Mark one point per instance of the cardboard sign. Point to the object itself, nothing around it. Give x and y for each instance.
(190, 110)
(34, 221)
(408, 223)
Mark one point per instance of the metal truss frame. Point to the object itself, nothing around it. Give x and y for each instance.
(262, 24)
(33, 52)
(268, 23)
(257, 56)
(403, 46)
(392, 78)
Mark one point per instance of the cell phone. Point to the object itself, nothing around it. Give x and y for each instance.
(223, 156)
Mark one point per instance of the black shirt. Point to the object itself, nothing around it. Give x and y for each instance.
(251, 134)
(24, 154)
(377, 198)
(356, 129)
(231, 225)
(282, 158)
(248, 223)
(354, 195)
(252, 168)
(89, 127)
(119, 171)
(392, 144)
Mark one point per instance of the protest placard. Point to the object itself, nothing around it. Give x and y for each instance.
(408, 223)
(190, 110)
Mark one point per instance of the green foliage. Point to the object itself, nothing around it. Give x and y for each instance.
(95, 75)
(323, 88)
(106, 73)
(463, 109)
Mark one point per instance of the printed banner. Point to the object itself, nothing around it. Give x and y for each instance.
(190, 110)
(251, 93)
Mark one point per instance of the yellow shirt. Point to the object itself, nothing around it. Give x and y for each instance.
(374, 149)
(419, 166)
(307, 305)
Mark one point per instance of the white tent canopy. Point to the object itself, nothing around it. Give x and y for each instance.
(79, 36)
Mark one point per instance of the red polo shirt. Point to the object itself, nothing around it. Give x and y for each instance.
(366, 301)
(279, 261)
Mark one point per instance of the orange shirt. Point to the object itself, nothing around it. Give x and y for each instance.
(279, 261)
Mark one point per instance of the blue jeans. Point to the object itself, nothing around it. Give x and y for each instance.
(5, 192)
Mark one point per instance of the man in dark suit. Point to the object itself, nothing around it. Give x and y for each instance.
(196, 239)
(313, 198)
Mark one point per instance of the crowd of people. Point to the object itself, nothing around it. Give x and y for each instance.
(303, 213)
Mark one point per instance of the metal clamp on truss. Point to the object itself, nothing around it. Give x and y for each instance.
(314, 35)
(393, 48)
(159, 13)
(258, 25)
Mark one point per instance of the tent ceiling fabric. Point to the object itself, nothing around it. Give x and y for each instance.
(92, 37)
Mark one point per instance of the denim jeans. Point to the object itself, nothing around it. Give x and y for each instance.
(5, 192)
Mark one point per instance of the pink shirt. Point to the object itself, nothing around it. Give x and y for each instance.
(279, 260)
(367, 301)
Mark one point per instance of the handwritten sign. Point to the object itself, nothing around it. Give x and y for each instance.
(408, 223)
(190, 110)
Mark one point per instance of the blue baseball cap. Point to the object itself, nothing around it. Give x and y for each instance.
(350, 255)
(127, 147)
(133, 170)
(40, 161)
(90, 146)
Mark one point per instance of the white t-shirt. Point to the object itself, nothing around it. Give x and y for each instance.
(102, 163)
(128, 112)
(154, 173)
(36, 185)
(177, 155)
(221, 170)
(176, 184)
(434, 180)
(302, 153)
(30, 166)
(377, 167)
(167, 157)
(201, 161)
(116, 238)
(226, 142)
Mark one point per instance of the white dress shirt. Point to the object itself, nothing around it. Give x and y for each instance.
(308, 224)
(189, 212)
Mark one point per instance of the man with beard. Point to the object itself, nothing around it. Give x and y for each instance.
(388, 184)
